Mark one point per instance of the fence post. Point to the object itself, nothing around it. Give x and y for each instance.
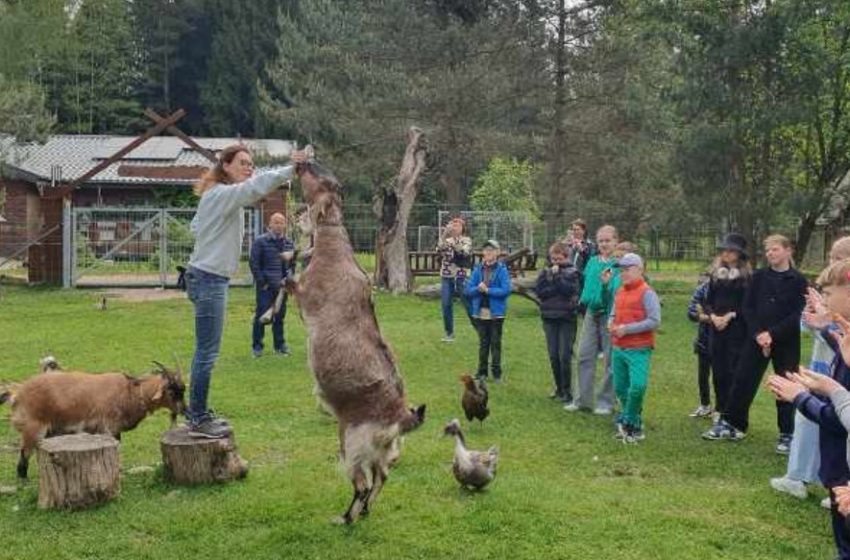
(656, 243)
(67, 239)
(164, 261)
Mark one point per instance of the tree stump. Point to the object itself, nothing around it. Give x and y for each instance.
(77, 471)
(190, 460)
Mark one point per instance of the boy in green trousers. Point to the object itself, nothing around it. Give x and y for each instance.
(635, 317)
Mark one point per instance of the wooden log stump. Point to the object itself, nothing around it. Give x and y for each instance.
(190, 460)
(78, 471)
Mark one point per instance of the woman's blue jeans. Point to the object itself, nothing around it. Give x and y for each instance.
(448, 289)
(208, 293)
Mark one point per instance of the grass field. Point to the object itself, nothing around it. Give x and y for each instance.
(565, 487)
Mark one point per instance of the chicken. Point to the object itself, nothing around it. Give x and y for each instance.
(472, 469)
(474, 400)
(48, 364)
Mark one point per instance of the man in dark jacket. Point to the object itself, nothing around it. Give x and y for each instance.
(271, 257)
(558, 289)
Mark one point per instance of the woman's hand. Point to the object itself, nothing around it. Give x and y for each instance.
(815, 382)
(605, 277)
(784, 389)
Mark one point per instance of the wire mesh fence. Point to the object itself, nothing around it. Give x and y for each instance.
(140, 246)
(143, 246)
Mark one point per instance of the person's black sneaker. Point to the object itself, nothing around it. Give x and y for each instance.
(283, 351)
(783, 445)
(209, 428)
(220, 420)
(723, 430)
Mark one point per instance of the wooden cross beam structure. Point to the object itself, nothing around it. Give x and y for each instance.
(160, 124)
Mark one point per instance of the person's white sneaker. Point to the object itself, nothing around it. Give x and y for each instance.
(701, 411)
(825, 503)
(571, 407)
(790, 486)
(448, 338)
(602, 410)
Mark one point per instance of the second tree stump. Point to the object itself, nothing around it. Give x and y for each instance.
(77, 471)
(189, 460)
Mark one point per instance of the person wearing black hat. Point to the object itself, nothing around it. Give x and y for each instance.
(729, 278)
(772, 308)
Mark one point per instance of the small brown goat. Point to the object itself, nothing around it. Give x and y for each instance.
(73, 402)
(355, 370)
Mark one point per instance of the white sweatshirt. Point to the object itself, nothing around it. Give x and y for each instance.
(219, 223)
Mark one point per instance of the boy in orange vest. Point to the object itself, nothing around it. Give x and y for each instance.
(634, 318)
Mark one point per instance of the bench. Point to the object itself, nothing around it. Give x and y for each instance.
(427, 263)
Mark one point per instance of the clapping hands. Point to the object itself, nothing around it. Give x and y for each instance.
(816, 315)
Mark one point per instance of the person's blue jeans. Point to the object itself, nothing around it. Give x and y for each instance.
(448, 289)
(265, 299)
(208, 293)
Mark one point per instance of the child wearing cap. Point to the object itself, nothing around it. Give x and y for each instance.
(634, 318)
(488, 291)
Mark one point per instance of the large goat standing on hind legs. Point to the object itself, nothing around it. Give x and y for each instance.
(355, 370)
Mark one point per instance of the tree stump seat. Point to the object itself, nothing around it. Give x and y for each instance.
(77, 471)
(191, 460)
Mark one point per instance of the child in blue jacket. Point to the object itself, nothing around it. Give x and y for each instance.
(487, 291)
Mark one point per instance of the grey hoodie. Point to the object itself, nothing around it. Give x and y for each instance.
(219, 223)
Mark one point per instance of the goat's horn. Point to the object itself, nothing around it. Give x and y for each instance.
(159, 367)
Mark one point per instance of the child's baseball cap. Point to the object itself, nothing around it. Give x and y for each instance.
(630, 259)
(491, 243)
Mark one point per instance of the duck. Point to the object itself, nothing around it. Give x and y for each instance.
(472, 469)
(474, 399)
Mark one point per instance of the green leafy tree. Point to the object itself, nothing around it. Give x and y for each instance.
(506, 185)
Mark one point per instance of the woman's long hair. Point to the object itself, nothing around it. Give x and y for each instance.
(216, 173)
(744, 267)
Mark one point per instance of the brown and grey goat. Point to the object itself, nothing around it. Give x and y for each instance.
(355, 370)
(73, 402)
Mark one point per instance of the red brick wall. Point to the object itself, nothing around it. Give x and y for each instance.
(19, 225)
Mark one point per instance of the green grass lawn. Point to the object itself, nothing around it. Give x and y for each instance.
(565, 487)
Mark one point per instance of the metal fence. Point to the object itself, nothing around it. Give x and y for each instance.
(143, 246)
(140, 246)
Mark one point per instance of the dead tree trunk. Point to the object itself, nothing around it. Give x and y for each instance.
(392, 269)
(188, 460)
(77, 471)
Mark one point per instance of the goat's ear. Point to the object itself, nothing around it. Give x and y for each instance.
(158, 395)
(159, 367)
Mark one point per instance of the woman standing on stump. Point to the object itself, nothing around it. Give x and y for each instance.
(218, 228)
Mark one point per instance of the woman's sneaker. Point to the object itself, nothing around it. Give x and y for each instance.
(789, 486)
(210, 428)
(701, 411)
(723, 430)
